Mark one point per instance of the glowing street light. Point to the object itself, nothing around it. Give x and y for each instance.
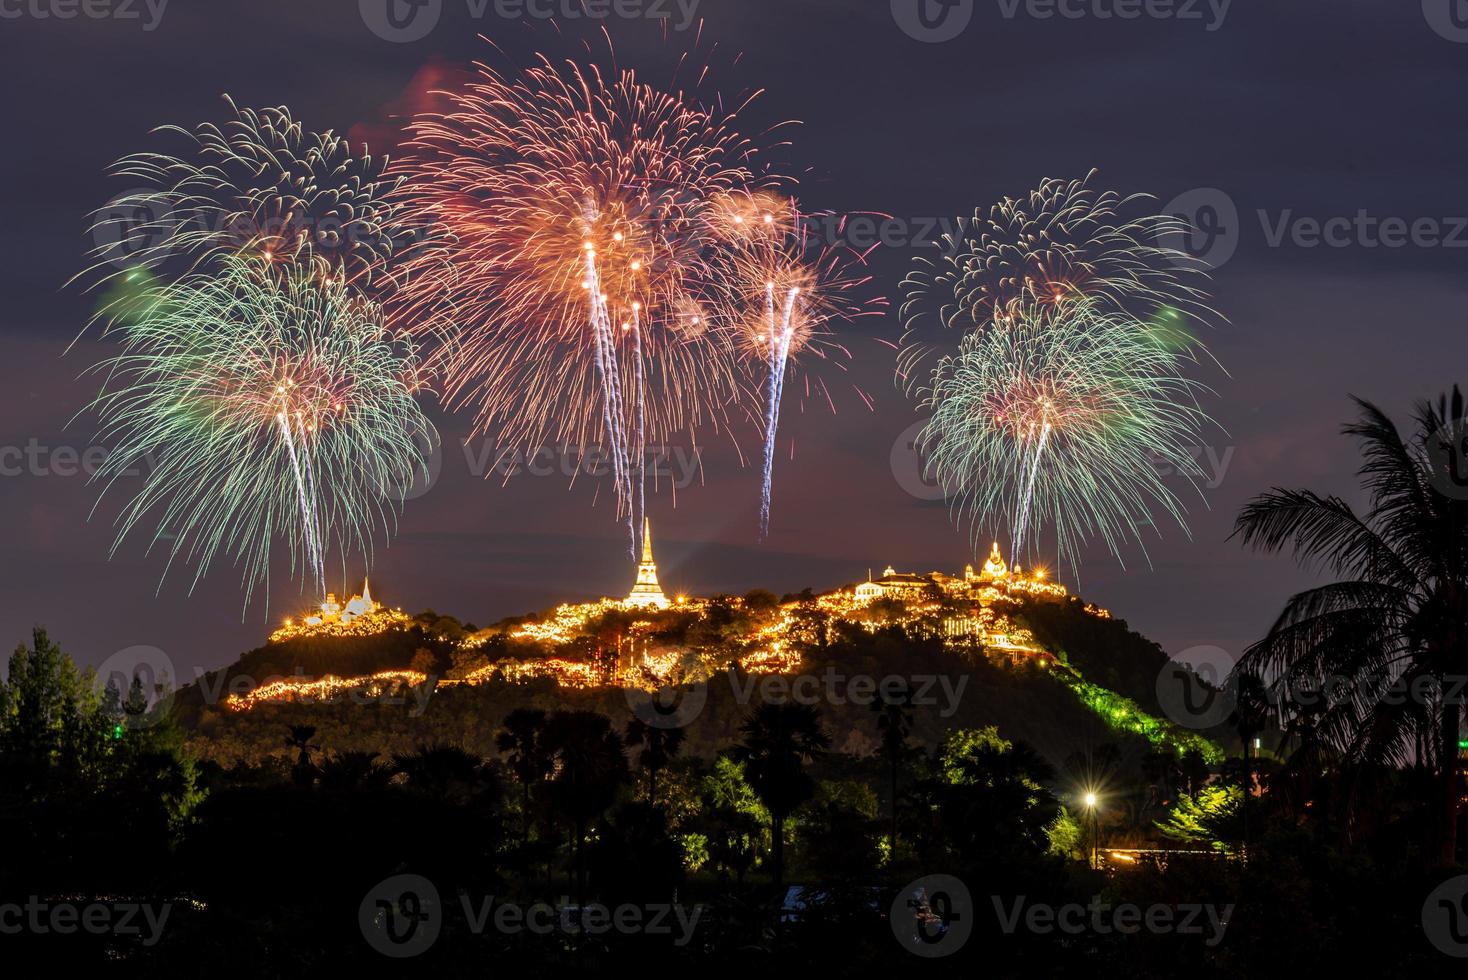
(1090, 801)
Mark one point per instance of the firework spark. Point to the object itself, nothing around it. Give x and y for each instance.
(1064, 241)
(1067, 414)
(585, 221)
(1074, 332)
(273, 407)
(261, 183)
(792, 295)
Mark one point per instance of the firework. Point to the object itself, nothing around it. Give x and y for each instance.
(577, 289)
(792, 295)
(1067, 414)
(259, 184)
(272, 408)
(1074, 331)
(1065, 241)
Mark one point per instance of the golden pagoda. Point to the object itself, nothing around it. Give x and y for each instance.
(994, 568)
(647, 593)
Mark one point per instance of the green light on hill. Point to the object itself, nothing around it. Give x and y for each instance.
(1124, 715)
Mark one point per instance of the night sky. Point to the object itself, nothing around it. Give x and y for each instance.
(1307, 109)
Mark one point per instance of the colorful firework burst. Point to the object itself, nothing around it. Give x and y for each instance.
(578, 286)
(273, 409)
(1066, 394)
(1064, 241)
(259, 184)
(1066, 414)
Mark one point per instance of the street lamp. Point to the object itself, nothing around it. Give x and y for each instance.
(1090, 801)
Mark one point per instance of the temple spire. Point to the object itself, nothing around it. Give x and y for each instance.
(647, 592)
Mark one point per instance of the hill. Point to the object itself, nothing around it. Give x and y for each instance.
(1041, 665)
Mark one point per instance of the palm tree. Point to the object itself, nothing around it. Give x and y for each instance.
(659, 747)
(444, 771)
(523, 741)
(299, 737)
(354, 771)
(778, 739)
(589, 766)
(894, 721)
(1399, 612)
(1248, 717)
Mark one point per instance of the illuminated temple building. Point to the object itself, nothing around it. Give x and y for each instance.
(361, 615)
(996, 574)
(646, 592)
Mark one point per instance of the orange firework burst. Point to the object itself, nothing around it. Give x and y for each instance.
(582, 228)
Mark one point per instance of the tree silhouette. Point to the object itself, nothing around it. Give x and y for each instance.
(589, 766)
(1248, 719)
(777, 741)
(444, 771)
(894, 721)
(355, 770)
(299, 737)
(659, 746)
(1399, 611)
(522, 741)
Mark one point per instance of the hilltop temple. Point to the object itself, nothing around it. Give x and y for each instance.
(356, 606)
(995, 574)
(647, 593)
(361, 615)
